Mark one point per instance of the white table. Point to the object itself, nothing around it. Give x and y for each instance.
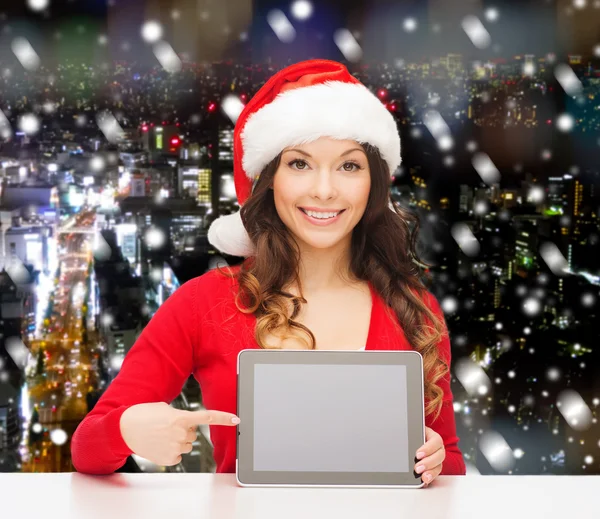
(208, 496)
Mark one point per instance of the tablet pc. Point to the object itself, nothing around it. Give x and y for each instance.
(329, 418)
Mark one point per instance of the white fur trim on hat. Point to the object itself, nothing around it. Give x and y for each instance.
(335, 109)
(228, 234)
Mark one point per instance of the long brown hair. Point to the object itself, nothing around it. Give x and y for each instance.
(382, 252)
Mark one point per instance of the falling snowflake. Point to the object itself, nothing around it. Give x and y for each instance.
(491, 14)
(553, 374)
(415, 133)
(536, 194)
(497, 452)
(232, 106)
(17, 272)
(103, 40)
(471, 146)
(5, 128)
(97, 163)
(472, 377)
(449, 161)
(301, 9)
(528, 69)
(156, 274)
(588, 299)
(58, 437)
(551, 254)
(485, 168)
(565, 122)
(574, 410)
(116, 362)
(29, 123)
(449, 304)
(109, 126)
(155, 238)
(25, 53)
(106, 319)
(17, 351)
(481, 207)
(49, 107)
(281, 26)
(409, 24)
(532, 306)
(152, 31)
(445, 142)
(546, 154)
(518, 453)
(465, 239)
(38, 5)
(167, 57)
(347, 44)
(438, 128)
(476, 32)
(567, 79)
(101, 249)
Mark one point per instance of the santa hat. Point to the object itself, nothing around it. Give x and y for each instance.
(299, 104)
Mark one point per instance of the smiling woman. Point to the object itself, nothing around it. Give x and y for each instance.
(330, 264)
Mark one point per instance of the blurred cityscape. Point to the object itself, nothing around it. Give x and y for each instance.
(111, 173)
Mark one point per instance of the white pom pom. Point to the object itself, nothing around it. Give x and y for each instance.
(228, 235)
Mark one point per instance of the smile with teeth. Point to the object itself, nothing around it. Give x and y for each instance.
(321, 215)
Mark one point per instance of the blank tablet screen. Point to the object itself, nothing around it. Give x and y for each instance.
(330, 418)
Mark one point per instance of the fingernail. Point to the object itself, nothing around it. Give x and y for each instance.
(427, 478)
(420, 455)
(420, 468)
(235, 419)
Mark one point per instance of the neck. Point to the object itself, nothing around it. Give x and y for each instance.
(324, 269)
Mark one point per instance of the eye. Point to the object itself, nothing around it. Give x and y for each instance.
(354, 164)
(297, 161)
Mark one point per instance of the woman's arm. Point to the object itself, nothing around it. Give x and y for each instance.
(445, 424)
(154, 370)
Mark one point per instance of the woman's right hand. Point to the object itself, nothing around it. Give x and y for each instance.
(161, 433)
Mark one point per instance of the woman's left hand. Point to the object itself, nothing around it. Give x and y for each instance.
(432, 457)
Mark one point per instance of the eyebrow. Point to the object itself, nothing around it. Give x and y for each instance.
(347, 152)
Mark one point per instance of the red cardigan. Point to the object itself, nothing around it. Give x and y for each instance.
(198, 330)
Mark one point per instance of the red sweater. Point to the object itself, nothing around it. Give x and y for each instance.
(198, 330)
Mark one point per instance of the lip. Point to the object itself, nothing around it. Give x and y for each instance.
(318, 222)
(321, 210)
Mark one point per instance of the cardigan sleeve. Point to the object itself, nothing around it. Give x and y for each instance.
(445, 425)
(154, 370)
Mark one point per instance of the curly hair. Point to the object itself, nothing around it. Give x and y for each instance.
(390, 265)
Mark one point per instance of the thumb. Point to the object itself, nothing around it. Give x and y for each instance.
(190, 418)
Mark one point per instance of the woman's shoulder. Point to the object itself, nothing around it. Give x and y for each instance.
(216, 285)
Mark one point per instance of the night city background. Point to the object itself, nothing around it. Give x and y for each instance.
(116, 122)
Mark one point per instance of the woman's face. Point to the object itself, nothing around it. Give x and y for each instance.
(321, 191)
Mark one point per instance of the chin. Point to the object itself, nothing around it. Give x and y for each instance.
(323, 243)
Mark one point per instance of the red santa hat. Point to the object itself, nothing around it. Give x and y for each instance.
(299, 104)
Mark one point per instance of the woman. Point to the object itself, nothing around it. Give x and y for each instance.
(331, 264)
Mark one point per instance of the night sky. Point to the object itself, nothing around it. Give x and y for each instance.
(70, 28)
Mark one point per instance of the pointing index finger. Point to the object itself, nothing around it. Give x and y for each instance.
(194, 418)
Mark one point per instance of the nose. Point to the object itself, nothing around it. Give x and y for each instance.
(324, 187)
